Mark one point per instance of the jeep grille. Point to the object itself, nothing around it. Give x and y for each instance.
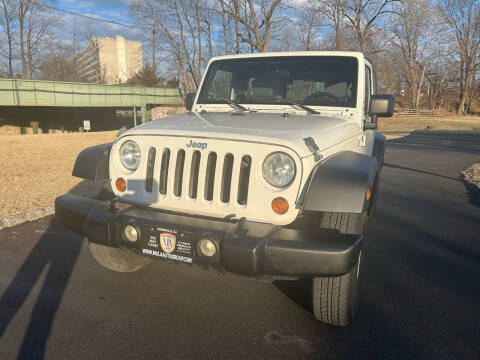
(187, 165)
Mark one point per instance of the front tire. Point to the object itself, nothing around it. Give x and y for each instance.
(335, 299)
(118, 259)
(345, 223)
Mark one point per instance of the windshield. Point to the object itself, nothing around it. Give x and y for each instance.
(306, 80)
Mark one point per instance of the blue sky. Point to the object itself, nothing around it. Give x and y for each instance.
(116, 10)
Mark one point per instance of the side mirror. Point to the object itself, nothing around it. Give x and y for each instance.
(382, 105)
(189, 100)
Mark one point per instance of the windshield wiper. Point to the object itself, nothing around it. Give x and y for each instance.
(234, 104)
(292, 102)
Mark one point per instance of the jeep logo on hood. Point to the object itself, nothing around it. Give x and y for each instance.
(197, 145)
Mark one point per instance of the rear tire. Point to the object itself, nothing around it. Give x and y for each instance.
(335, 299)
(118, 259)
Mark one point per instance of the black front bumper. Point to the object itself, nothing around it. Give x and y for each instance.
(245, 248)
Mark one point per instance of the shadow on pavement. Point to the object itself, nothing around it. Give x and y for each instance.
(449, 141)
(51, 252)
(300, 291)
(58, 256)
(455, 141)
(473, 193)
(420, 171)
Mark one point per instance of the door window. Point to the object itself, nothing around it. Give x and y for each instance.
(368, 89)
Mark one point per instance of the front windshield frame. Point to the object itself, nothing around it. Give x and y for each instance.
(350, 63)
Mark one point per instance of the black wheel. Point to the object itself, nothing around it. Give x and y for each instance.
(345, 223)
(118, 259)
(335, 299)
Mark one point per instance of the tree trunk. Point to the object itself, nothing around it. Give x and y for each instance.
(29, 50)
(237, 30)
(154, 63)
(199, 36)
(419, 88)
(22, 48)
(209, 38)
(9, 34)
(337, 37)
(461, 105)
(225, 34)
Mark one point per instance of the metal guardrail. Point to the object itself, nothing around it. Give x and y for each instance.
(67, 94)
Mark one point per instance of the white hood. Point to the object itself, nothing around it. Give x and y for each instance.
(270, 128)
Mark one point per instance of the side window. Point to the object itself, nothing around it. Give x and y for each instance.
(375, 84)
(368, 89)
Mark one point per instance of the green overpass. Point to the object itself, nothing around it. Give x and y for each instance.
(83, 95)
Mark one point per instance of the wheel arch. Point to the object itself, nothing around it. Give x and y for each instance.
(340, 183)
(378, 151)
(92, 163)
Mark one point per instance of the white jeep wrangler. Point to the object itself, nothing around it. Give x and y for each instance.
(272, 174)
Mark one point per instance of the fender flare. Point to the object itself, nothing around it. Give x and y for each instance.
(93, 162)
(340, 183)
(379, 143)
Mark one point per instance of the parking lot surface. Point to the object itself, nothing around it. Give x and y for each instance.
(420, 288)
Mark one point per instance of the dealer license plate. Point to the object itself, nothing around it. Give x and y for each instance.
(167, 243)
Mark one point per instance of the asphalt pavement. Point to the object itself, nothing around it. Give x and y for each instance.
(420, 285)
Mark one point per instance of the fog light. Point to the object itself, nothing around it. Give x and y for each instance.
(206, 248)
(130, 233)
(121, 184)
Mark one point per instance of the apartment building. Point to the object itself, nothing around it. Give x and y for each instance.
(109, 60)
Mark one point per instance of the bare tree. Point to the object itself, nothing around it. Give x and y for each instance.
(7, 22)
(463, 19)
(57, 64)
(415, 35)
(333, 11)
(309, 23)
(33, 23)
(363, 16)
(180, 27)
(23, 9)
(257, 24)
(412, 56)
(37, 37)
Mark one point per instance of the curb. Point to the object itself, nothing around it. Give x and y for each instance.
(30, 215)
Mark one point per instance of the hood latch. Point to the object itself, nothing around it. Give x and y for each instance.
(313, 147)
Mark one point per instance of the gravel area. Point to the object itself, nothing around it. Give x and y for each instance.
(35, 169)
(472, 175)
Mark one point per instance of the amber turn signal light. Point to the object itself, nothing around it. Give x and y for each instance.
(121, 184)
(369, 194)
(280, 205)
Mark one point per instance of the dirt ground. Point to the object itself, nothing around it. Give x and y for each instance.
(34, 169)
(409, 123)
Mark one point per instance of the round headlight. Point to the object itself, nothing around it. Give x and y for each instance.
(130, 155)
(279, 169)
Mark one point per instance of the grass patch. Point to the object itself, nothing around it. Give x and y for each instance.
(35, 169)
(410, 123)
